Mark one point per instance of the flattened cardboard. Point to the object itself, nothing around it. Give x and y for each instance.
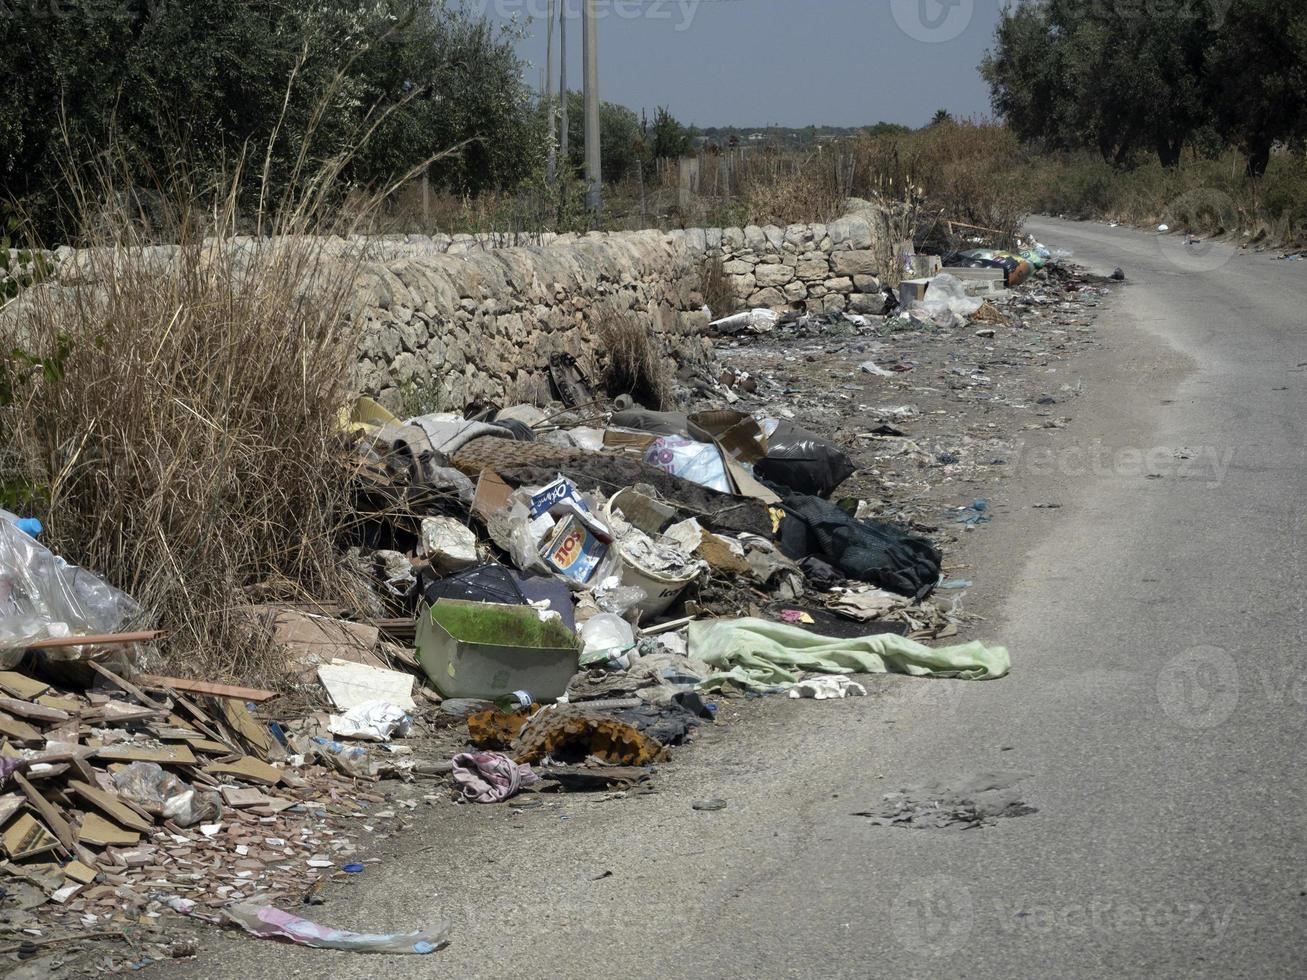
(492, 495)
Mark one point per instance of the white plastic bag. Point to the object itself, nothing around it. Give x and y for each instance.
(372, 721)
(609, 641)
(697, 462)
(948, 295)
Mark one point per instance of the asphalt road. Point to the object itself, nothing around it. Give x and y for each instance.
(1156, 708)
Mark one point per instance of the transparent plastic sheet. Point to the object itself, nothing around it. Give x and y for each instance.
(43, 597)
(273, 923)
(946, 295)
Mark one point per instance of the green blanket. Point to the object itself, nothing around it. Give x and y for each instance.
(758, 654)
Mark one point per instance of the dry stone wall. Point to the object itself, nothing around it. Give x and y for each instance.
(447, 321)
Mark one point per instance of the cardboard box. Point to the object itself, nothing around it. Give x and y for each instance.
(573, 550)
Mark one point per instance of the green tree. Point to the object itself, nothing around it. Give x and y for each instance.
(1257, 67)
(671, 140)
(1118, 77)
(620, 139)
(204, 82)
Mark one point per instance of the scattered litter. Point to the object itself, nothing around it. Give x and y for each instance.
(371, 721)
(708, 805)
(828, 688)
(268, 922)
(489, 777)
(976, 802)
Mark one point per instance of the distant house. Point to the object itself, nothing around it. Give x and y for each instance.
(757, 137)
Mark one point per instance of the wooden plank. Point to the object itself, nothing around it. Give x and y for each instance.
(256, 736)
(128, 686)
(71, 705)
(22, 686)
(179, 754)
(37, 712)
(79, 872)
(206, 687)
(94, 640)
(110, 805)
(48, 811)
(27, 838)
(211, 746)
(248, 768)
(99, 832)
(10, 804)
(20, 731)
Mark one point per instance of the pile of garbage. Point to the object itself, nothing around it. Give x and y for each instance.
(558, 599)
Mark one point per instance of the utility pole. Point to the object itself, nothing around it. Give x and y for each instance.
(551, 168)
(564, 135)
(593, 161)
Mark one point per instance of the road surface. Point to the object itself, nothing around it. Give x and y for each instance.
(1156, 711)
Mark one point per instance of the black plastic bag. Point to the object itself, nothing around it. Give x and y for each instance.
(803, 462)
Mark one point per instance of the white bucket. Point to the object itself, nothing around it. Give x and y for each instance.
(660, 588)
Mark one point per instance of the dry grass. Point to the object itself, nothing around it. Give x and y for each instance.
(715, 287)
(634, 364)
(174, 419)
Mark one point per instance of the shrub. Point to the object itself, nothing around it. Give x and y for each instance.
(634, 364)
(716, 289)
(183, 430)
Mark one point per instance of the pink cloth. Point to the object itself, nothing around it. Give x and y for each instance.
(489, 777)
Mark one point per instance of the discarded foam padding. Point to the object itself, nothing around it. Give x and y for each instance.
(494, 729)
(569, 735)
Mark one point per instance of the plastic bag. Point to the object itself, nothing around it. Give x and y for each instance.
(697, 462)
(761, 320)
(273, 923)
(42, 596)
(608, 641)
(801, 460)
(947, 295)
(372, 721)
(159, 792)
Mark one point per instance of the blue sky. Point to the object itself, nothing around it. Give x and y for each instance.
(790, 62)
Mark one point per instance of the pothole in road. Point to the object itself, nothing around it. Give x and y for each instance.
(979, 801)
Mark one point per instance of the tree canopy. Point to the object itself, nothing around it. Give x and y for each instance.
(198, 83)
(1125, 78)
